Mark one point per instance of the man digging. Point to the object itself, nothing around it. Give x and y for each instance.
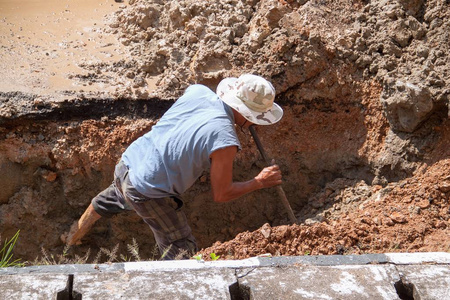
(196, 133)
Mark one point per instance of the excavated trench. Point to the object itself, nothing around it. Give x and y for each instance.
(58, 155)
(363, 144)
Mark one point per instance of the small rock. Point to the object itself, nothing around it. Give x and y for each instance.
(408, 199)
(440, 224)
(130, 74)
(388, 222)
(415, 210)
(38, 102)
(444, 187)
(376, 220)
(366, 221)
(374, 229)
(424, 204)
(312, 221)
(138, 82)
(266, 230)
(422, 51)
(398, 217)
(50, 177)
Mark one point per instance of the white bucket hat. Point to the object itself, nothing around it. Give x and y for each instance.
(252, 96)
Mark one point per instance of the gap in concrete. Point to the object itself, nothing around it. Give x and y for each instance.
(239, 291)
(404, 289)
(68, 293)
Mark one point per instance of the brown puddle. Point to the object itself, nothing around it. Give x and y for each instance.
(43, 44)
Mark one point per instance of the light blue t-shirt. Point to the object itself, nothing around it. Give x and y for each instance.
(173, 155)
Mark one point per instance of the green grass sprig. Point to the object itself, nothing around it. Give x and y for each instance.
(7, 253)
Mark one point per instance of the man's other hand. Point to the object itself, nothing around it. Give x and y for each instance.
(269, 176)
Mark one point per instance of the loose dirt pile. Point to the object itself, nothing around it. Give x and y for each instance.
(354, 218)
(363, 145)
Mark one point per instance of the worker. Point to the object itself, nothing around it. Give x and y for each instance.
(198, 132)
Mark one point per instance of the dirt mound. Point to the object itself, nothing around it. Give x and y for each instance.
(407, 216)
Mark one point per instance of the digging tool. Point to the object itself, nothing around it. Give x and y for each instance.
(280, 190)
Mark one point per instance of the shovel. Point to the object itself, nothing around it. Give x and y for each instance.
(280, 190)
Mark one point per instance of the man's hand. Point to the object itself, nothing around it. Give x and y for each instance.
(223, 187)
(269, 176)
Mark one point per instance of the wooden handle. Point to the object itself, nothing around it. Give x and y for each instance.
(280, 190)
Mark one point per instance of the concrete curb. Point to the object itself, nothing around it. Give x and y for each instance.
(371, 276)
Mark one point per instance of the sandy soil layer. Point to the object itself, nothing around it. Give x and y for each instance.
(44, 45)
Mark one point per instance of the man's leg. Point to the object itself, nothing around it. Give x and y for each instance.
(106, 204)
(165, 218)
(169, 225)
(79, 229)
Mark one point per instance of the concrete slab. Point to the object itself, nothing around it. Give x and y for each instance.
(184, 284)
(418, 258)
(31, 286)
(276, 261)
(323, 260)
(320, 282)
(64, 269)
(431, 282)
(190, 264)
(379, 276)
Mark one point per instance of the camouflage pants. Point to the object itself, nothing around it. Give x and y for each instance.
(164, 216)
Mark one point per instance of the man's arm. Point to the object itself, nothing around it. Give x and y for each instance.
(223, 187)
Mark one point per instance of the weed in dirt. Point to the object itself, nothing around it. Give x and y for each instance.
(110, 254)
(7, 253)
(155, 253)
(133, 248)
(165, 252)
(60, 259)
(97, 258)
(181, 255)
(103, 256)
(214, 256)
(197, 257)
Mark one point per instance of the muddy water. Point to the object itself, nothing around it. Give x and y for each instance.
(45, 44)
